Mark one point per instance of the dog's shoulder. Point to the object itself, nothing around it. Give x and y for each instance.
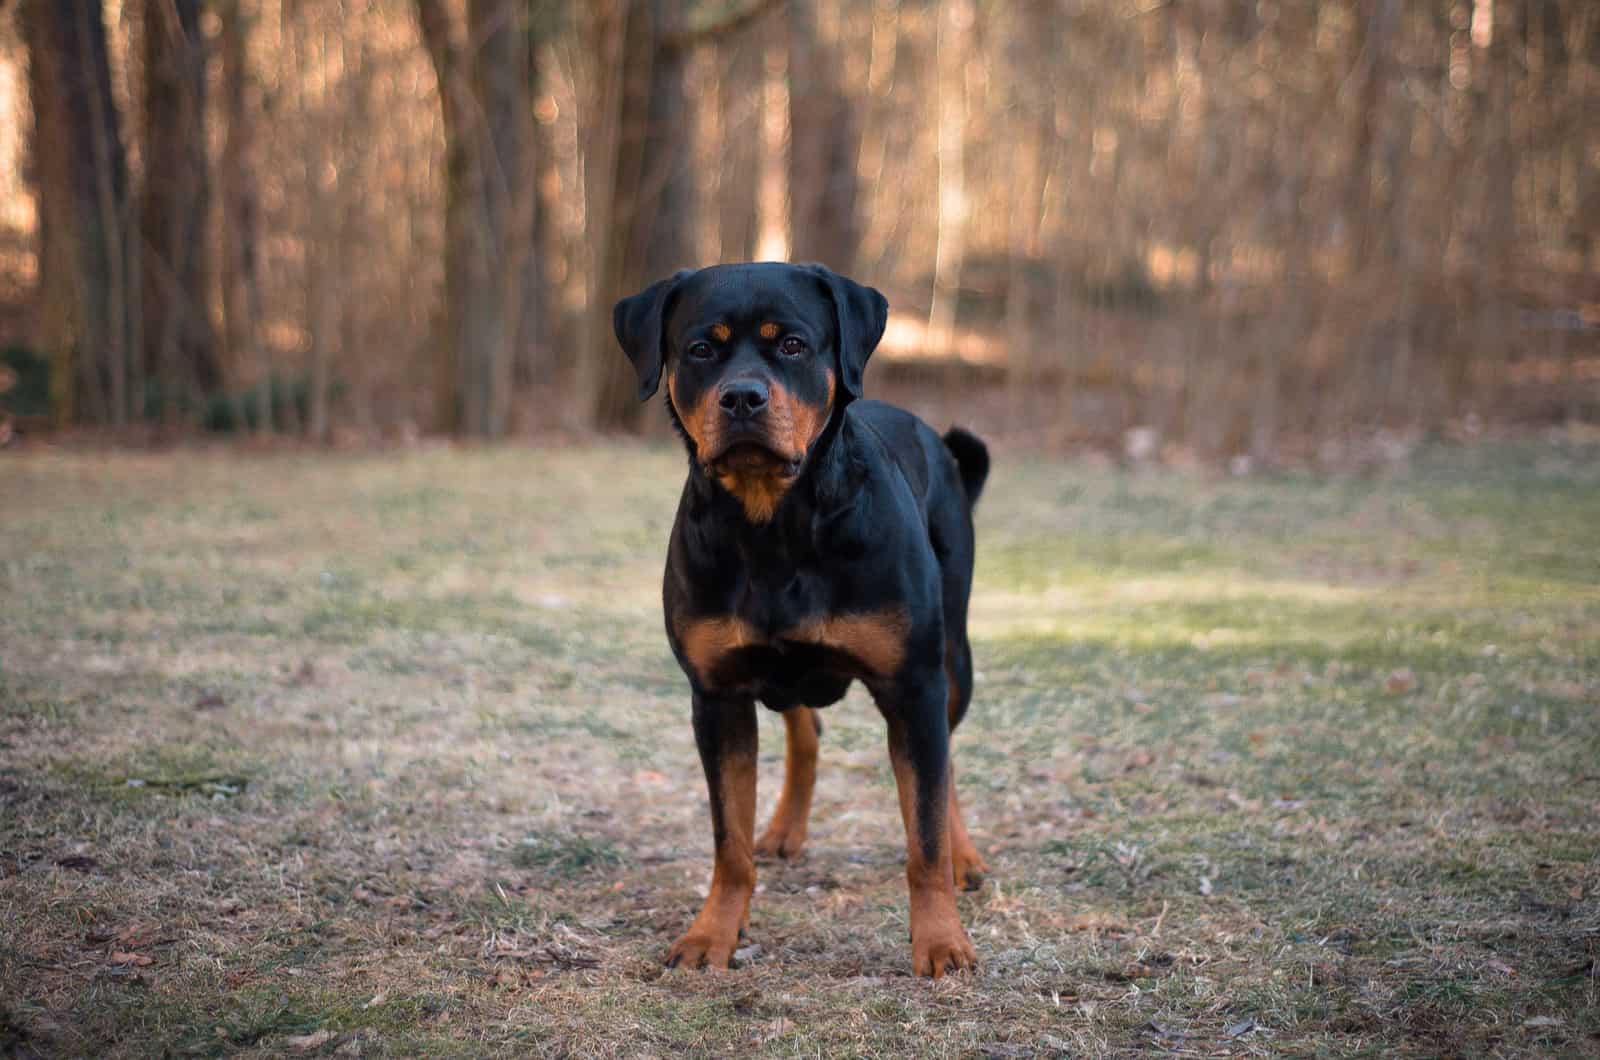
(901, 438)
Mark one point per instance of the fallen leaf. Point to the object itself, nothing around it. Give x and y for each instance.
(1543, 1021)
(128, 957)
(1140, 759)
(1400, 682)
(1244, 1026)
(210, 701)
(377, 999)
(138, 936)
(303, 1042)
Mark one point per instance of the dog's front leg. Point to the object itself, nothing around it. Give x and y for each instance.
(919, 750)
(725, 731)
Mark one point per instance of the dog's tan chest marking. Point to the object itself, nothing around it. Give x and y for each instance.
(874, 639)
(705, 641)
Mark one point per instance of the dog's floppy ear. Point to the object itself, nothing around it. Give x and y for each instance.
(861, 313)
(639, 323)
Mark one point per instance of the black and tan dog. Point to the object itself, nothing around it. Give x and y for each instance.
(820, 539)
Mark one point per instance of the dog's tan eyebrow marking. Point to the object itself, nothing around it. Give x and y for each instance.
(721, 332)
(769, 330)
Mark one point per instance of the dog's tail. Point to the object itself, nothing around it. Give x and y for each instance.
(972, 459)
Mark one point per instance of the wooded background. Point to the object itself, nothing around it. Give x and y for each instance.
(1236, 225)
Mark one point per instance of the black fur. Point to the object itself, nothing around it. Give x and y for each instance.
(876, 518)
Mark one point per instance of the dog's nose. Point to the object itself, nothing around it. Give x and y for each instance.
(742, 398)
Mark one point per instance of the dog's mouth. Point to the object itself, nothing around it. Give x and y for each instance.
(750, 456)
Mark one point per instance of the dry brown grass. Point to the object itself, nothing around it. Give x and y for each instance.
(386, 755)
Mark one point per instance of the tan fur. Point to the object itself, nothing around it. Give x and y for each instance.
(875, 639)
(769, 330)
(706, 640)
(967, 867)
(792, 427)
(758, 494)
(700, 421)
(966, 864)
(786, 833)
(721, 332)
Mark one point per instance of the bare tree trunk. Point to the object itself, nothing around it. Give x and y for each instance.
(1032, 129)
(501, 30)
(824, 140)
(241, 280)
(640, 178)
(460, 181)
(1376, 23)
(81, 175)
(955, 22)
(485, 90)
(180, 346)
(540, 318)
(1497, 240)
(741, 76)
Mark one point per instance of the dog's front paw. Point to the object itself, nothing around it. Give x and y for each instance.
(702, 949)
(942, 948)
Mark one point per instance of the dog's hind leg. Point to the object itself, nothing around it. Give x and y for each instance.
(966, 864)
(786, 833)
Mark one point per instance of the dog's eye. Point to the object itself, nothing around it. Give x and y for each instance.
(700, 351)
(793, 346)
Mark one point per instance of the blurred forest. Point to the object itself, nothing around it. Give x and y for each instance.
(1238, 226)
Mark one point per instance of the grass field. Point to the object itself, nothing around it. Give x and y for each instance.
(372, 755)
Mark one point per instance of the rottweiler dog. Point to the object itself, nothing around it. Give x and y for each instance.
(821, 539)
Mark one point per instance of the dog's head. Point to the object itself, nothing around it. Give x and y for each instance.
(757, 359)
